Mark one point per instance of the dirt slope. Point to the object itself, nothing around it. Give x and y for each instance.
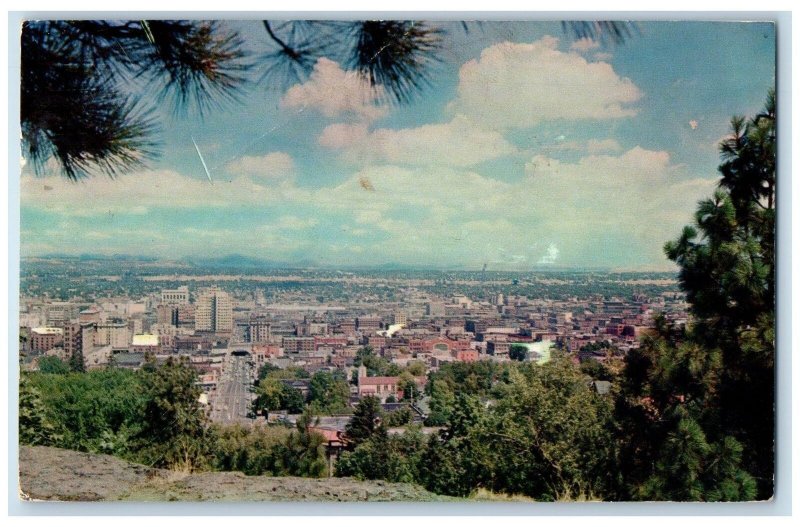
(63, 475)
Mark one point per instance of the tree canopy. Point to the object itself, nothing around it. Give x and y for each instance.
(699, 403)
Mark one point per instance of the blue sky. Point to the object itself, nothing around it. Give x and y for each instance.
(529, 149)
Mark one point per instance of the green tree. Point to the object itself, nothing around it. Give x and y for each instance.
(174, 432)
(457, 461)
(518, 352)
(329, 393)
(76, 362)
(78, 106)
(268, 395)
(400, 417)
(408, 385)
(367, 420)
(292, 400)
(52, 364)
(699, 404)
(597, 370)
(553, 434)
(98, 411)
(254, 451)
(416, 368)
(667, 414)
(303, 452)
(35, 427)
(266, 369)
(441, 402)
(392, 458)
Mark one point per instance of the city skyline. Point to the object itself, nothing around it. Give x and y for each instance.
(597, 163)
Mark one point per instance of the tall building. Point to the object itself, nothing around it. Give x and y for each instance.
(400, 318)
(114, 333)
(214, 312)
(175, 296)
(434, 309)
(259, 330)
(89, 316)
(167, 314)
(59, 313)
(73, 339)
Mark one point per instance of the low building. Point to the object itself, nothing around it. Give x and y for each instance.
(44, 339)
(145, 343)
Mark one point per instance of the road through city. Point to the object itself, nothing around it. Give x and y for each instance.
(232, 400)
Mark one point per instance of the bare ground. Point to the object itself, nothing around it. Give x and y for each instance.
(54, 474)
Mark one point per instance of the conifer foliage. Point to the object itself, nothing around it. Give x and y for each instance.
(698, 404)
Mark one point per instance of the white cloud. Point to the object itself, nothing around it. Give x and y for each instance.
(637, 200)
(336, 93)
(584, 44)
(275, 165)
(516, 85)
(459, 143)
(603, 209)
(596, 146)
(294, 223)
(550, 256)
(343, 135)
(137, 193)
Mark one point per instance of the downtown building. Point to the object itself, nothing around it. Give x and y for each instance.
(214, 312)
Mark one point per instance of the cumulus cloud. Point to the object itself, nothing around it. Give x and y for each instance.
(584, 44)
(343, 135)
(336, 93)
(517, 85)
(137, 193)
(619, 206)
(602, 209)
(596, 146)
(458, 143)
(550, 256)
(274, 165)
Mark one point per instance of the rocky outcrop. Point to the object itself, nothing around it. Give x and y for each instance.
(54, 474)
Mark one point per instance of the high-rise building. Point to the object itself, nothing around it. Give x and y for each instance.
(114, 333)
(167, 314)
(59, 313)
(434, 309)
(89, 316)
(259, 330)
(73, 339)
(214, 312)
(186, 314)
(175, 296)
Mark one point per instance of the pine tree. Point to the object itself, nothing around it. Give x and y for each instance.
(34, 426)
(76, 362)
(697, 407)
(367, 421)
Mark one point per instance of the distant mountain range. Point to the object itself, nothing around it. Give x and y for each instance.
(240, 261)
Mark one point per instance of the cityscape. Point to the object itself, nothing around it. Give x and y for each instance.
(229, 325)
(396, 260)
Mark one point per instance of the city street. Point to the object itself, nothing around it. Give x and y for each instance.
(232, 399)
